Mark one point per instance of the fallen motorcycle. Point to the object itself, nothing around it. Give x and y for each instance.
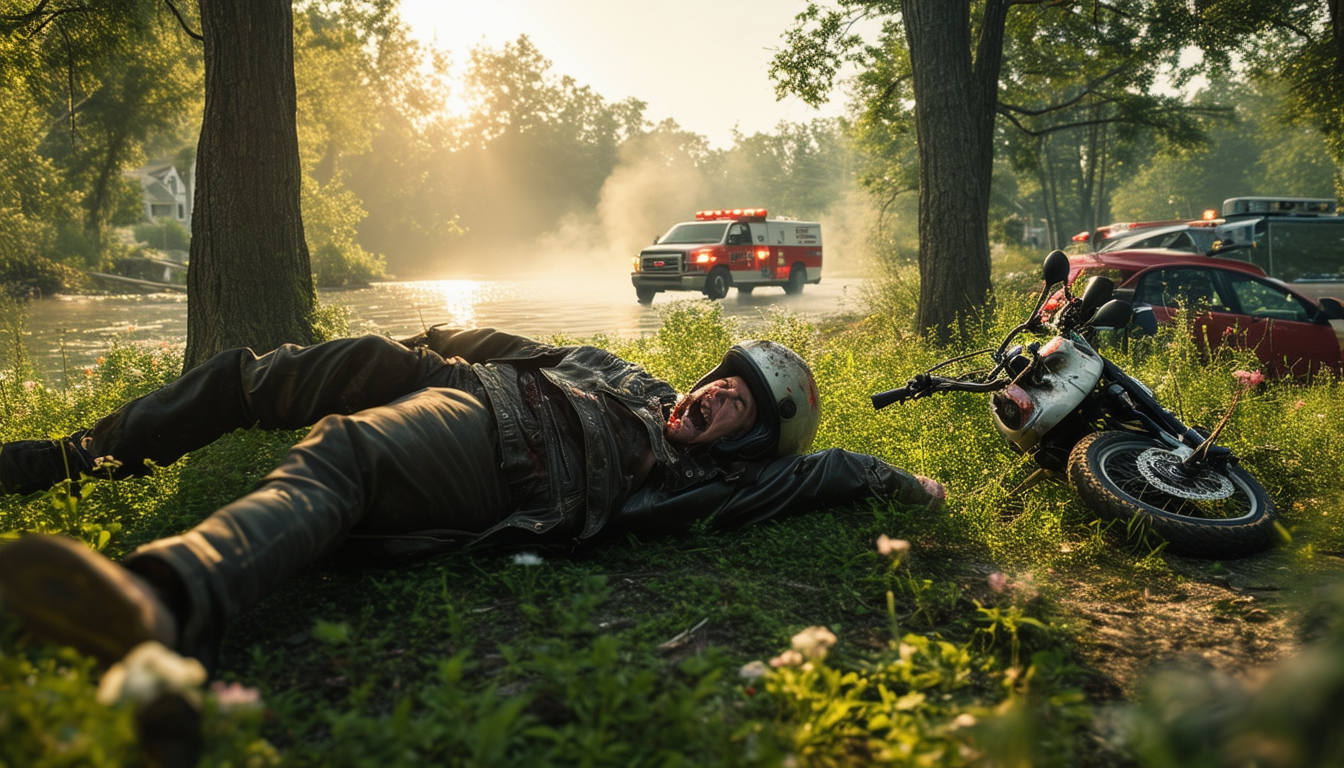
(1076, 412)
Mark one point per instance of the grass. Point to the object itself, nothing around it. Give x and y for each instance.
(970, 649)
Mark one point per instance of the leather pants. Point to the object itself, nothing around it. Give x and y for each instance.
(404, 441)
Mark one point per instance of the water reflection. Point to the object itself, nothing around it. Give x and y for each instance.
(72, 331)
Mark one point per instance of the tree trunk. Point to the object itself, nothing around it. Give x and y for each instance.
(250, 284)
(955, 99)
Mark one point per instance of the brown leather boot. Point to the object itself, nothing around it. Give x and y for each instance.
(67, 593)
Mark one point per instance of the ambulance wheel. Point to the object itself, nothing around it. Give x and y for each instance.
(797, 279)
(645, 295)
(718, 282)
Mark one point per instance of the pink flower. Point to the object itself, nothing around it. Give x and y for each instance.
(1249, 379)
(231, 696)
(1298, 405)
(787, 659)
(997, 581)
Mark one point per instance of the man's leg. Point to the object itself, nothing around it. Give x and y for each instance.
(425, 461)
(288, 388)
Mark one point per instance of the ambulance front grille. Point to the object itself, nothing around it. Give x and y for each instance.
(660, 262)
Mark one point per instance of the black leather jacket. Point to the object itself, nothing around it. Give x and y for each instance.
(687, 487)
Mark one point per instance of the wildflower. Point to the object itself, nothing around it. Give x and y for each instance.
(964, 720)
(100, 360)
(787, 659)
(235, 696)
(997, 581)
(1298, 405)
(814, 642)
(147, 672)
(890, 547)
(754, 670)
(88, 372)
(29, 386)
(527, 558)
(1249, 379)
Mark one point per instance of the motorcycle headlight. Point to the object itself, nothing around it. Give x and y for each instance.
(1012, 406)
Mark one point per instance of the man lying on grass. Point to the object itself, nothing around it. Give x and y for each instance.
(420, 447)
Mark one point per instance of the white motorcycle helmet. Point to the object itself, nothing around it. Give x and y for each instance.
(788, 408)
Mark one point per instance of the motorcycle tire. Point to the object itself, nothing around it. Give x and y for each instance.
(1216, 514)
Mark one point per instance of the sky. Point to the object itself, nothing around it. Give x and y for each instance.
(704, 63)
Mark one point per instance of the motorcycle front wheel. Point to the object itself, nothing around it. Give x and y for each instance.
(1209, 513)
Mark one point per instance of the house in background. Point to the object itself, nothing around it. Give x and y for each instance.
(166, 194)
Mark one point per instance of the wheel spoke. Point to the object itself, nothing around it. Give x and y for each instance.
(1121, 468)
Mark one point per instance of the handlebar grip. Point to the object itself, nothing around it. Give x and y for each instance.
(883, 399)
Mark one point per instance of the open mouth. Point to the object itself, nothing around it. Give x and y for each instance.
(690, 410)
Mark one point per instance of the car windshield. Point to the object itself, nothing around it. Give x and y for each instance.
(695, 232)
(1186, 239)
(1307, 250)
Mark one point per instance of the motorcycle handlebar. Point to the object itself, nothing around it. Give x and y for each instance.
(925, 385)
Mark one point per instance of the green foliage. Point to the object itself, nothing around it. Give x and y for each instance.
(630, 653)
(1249, 152)
(164, 234)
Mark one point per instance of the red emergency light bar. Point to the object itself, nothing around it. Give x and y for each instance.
(731, 213)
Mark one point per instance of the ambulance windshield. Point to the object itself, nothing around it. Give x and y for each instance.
(695, 232)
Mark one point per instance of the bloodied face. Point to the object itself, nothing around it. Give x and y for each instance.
(721, 408)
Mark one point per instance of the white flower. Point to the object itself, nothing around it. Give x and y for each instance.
(527, 558)
(814, 642)
(787, 659)
(964, 720)
(890, 547)
(754, 670)
(147, 672)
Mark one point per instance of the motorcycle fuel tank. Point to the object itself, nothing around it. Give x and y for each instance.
(1063, 374)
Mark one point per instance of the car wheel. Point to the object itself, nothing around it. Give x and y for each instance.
(717, 284)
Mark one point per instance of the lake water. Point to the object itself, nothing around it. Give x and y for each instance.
(72, 331)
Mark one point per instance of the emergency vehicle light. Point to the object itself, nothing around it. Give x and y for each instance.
(1283, 206)
(731, 213)
(1081, 237)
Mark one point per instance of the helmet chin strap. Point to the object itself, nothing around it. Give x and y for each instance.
(754, 444)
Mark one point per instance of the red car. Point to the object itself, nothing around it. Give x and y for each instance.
(1237, 303)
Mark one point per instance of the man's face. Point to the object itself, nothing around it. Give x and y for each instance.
(721, 408)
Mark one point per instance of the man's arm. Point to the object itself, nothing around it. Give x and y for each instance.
(788, 485)
(476, 345)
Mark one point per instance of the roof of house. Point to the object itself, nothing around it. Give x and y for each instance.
(156, 192)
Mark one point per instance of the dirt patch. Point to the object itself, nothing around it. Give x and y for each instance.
(1232, 617)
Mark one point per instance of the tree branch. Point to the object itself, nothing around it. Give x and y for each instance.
(1109, 120)
(183, 21)
(1088, 89)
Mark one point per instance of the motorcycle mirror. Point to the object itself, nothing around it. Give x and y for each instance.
(1145, 322)
(1098, 292)
(1056, 268)
(1113, 314)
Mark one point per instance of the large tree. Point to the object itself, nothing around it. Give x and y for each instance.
(250, 284)
(940, 67)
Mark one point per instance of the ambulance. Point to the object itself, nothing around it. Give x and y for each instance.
(741, 248)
